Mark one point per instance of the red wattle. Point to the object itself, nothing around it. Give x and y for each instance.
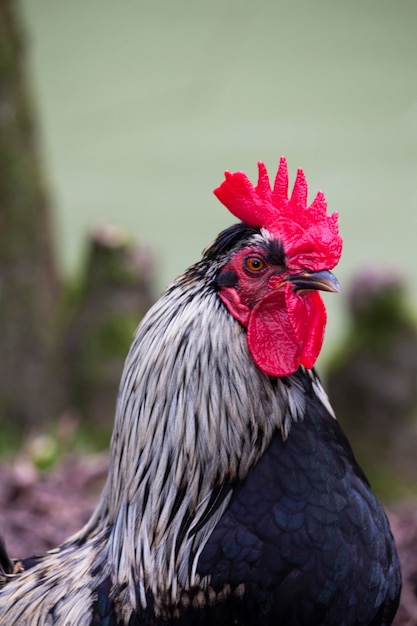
(271, 338)
(286, 331)
(317, 317)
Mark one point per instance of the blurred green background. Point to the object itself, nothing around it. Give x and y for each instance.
(144, 104)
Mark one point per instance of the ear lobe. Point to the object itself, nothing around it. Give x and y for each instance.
(230, 297)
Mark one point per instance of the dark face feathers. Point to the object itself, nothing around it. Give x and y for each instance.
(232, 237)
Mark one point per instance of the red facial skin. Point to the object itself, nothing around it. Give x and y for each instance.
(285, 329)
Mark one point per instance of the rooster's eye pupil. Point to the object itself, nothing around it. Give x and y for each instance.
(254, 264)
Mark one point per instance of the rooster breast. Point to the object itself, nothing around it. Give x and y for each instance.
(306, 535)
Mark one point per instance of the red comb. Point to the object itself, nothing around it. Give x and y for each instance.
(308, 233)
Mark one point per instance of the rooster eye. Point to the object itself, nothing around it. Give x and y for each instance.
(254, 264)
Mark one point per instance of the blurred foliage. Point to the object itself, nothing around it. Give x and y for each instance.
(372, 381)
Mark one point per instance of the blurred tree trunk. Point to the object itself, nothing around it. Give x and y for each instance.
(113, 293)
(28, 277)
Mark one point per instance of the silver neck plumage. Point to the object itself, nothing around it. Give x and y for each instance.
(193, 413)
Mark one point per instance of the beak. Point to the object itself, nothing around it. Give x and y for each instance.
(324, 281)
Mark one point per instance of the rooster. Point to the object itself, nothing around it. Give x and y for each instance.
(233, 496)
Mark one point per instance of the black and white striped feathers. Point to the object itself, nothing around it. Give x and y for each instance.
(194, 414)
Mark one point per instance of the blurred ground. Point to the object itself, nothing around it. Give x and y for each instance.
(39, 510)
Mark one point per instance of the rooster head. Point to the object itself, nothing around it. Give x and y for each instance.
(271, 287)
